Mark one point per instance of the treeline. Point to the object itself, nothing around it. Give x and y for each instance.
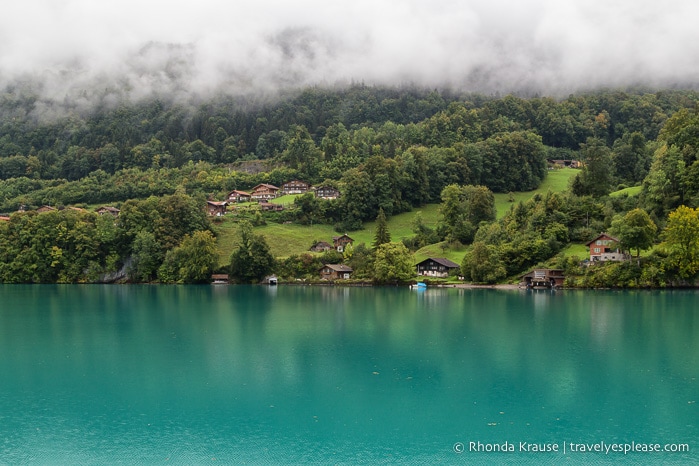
(374, 121)
(166, 238)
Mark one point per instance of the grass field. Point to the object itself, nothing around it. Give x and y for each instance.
(556, 181)
(575, 249)
(286, 240)
(632, 191)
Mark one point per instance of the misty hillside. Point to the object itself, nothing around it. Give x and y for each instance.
(385, 121)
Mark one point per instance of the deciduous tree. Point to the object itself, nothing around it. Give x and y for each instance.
(393, 263)
(635, 230)
(682, 239)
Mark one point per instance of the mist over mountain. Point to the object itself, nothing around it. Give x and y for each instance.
(81, 53)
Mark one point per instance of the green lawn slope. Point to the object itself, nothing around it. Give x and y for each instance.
(290, 239)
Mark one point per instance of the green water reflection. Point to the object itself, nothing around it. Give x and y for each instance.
(288, 375)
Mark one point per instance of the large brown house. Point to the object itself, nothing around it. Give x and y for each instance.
(605, 248)
(326, 192)
(295, 187)
(264, 192)
(436, 267)
(335, 272)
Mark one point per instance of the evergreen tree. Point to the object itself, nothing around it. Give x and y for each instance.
(381, 234)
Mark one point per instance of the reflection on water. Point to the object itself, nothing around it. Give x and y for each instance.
(109, 374)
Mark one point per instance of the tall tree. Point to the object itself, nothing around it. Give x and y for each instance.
(381, 233)
(393, 263)
(252, 261)
(682, 239)
(595, 179)
(635, 230)
(483, 264)
(190, 262)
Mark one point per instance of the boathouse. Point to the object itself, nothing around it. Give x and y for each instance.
(543, 278)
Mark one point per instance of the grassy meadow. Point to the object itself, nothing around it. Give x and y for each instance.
(289, 239)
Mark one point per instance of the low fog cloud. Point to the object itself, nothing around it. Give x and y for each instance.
(73, 49)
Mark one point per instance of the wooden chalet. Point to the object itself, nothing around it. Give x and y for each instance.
(45, 208)
(270, 207)
(326, 192)
(436, 267)
(264, 192)
(238, 196)
(321, 246)
(335, 272)
(295, 187)
(108, 210)
(604, 248)
(341, 242)
(216, 208)
(543, 278)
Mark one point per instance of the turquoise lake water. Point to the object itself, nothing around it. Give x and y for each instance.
(328, 375)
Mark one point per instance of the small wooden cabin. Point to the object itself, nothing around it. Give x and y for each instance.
(341, 242)
(335, 272)
(215, 208)
(270, 207)
(321, 246)
(238, 196)
(108, 210)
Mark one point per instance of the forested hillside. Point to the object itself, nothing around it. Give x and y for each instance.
(387, 150)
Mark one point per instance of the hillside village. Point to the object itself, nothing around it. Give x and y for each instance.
(470, 191)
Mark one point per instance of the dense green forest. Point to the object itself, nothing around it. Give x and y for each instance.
(388, 150)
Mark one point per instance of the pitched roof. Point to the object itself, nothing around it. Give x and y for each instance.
(338, 267)
(264, 185)
(238, 192)
(600, 236)
(442, 261)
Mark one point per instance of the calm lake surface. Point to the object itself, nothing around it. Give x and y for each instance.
(328, 375)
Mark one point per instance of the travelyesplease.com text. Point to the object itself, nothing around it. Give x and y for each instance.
(570, 447)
